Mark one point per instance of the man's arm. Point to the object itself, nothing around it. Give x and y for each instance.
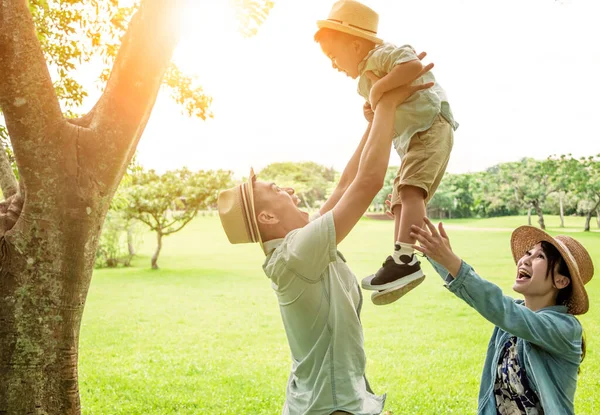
(348, 175)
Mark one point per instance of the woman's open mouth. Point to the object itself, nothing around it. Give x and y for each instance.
(523, 275)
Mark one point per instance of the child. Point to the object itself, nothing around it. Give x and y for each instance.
(423, 134)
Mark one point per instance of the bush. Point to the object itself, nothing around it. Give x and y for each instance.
(118, 241)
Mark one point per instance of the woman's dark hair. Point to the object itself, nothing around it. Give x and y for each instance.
(556, 263)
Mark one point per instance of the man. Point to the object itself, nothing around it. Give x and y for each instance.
(318, 295)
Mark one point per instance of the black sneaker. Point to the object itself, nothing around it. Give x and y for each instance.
(392, 275)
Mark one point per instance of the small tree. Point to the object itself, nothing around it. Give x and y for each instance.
(168, 202)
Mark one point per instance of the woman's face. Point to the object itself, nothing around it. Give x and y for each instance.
(533, 279)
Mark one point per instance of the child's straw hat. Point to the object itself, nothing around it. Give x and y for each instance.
(354, 18)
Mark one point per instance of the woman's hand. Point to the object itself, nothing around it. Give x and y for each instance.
(436, 245)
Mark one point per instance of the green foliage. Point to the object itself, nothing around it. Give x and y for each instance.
(388, 187)
(118, 241)
(167, 202)
(82, 31)
(310, 180)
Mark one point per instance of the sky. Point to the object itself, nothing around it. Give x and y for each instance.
(521, 77)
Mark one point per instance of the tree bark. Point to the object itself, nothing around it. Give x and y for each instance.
(588, 216)
(69, 172)
(540, 214)
(562, 211)
(8, 181)
(130, 247)
(154, 261)
(529, 215)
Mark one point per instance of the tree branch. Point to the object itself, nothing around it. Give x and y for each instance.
(137, 74)
(182, 225)
(27, 97)
(8, 181)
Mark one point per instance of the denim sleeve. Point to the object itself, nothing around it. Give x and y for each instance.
(555, 332)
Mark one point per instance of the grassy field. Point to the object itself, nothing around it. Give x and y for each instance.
(203, 334)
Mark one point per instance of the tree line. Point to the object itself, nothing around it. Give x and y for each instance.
(165, 204)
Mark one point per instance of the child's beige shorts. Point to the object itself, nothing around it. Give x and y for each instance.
(425, 162)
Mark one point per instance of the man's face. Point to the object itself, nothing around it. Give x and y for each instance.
(278, 206)
(345, 55)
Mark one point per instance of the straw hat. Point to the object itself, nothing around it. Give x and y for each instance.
(354, 18)
(575, 255)
(236, 210)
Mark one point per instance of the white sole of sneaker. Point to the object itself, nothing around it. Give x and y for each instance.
(399, 283)
(390, 295)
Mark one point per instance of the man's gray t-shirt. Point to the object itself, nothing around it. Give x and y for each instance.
(320, 303)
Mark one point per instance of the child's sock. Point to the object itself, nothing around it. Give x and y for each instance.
(402, 249)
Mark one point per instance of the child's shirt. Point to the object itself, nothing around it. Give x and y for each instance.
(418, 112)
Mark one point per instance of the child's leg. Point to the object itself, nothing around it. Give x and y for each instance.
(413, 212)
(412, 199)
(421, 170)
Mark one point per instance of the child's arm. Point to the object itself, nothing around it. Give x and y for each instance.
(401, 74)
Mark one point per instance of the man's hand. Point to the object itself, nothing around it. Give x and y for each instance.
(368, 112)
(436, 245)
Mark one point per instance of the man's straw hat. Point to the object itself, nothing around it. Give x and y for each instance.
(575, 255)
(236, 210)
(354, 18)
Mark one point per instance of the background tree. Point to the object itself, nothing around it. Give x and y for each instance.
(530, 182)
(584, 180)
(166, 203)
(388, 187)
(310, 180)
(69, 168)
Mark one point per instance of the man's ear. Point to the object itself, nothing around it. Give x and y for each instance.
(560, 281)
(267, 218)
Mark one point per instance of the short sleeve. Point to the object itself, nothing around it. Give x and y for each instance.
(385, 58)
(309, 250)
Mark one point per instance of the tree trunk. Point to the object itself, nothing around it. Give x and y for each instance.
(159, 237)
(69, 171)
(8, 181)
(529, 215)
(130, 247)
(588, 219)
(598, 217)
(538, 211)
(588, 216)
(562, 211)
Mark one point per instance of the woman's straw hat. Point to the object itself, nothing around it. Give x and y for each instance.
(354, 18)
(236, 210)
(575, 255)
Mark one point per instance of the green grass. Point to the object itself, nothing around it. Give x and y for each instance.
(203, 334)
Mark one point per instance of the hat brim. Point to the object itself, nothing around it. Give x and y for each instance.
(251, 179)
(525, 237)
(328, 24)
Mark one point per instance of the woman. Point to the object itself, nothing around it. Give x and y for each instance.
(537, 346)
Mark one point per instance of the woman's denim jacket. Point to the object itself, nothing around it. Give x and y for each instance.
(548, 341)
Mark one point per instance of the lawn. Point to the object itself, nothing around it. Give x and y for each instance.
(203, 334)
